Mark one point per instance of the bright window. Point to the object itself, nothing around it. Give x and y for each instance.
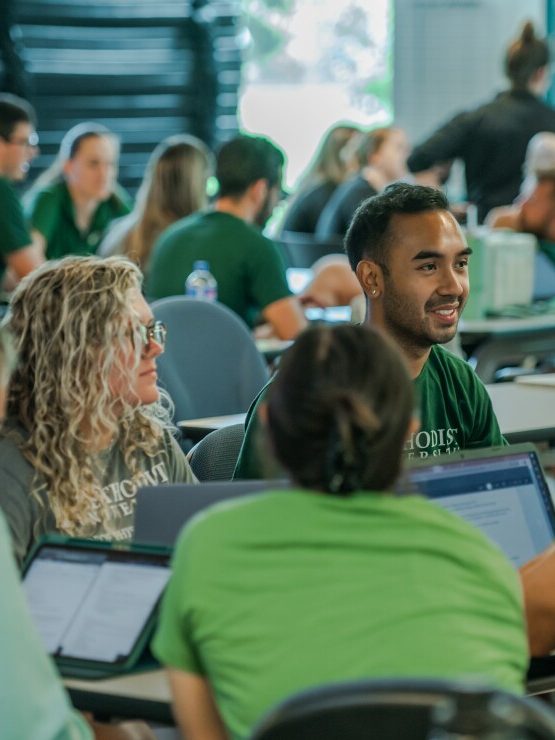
(312, 63)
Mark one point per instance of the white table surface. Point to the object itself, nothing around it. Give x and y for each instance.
(522, 408)
(147, 686)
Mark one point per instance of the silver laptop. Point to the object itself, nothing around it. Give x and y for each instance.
(500, 490)
(161, 511)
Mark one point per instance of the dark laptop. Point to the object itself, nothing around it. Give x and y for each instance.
(500, 490)
(161, 511)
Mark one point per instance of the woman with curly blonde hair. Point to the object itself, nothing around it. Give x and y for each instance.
(85, 423)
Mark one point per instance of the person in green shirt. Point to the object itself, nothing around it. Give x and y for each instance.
(18, 146)
(411, 260)
(71, 205)
(337, 578)
(247, 266)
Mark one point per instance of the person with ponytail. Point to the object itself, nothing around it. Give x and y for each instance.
(492, 139)
(345, 575)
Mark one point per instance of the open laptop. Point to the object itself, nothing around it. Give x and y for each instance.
(161, 511)
(500, 490)
(95, 603)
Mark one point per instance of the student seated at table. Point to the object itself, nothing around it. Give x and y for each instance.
(72, 204)
(33, 703)
(333, 163)
(339, 578)
(85, 426)
(174, 186)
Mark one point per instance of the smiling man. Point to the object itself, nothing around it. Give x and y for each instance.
(411, 259)
(18, 146)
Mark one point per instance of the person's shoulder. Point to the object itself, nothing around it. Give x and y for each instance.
(50, 197)
(183, 226)
(6, 188)
(229, 520)
(12, 459)
(177, 233)
(464, 538)
(446, 360)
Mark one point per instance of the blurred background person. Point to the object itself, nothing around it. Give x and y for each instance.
(174, 186)
(332, 164)
(492, 140)
(382, 159)
(533, 212)
(18, 147)
(71, 205)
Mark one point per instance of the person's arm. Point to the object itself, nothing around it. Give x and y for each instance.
(448, 142)
(504, 217)
(24, 261)
(538, 584)
(286, 317)
(194, 708)
(179, 469)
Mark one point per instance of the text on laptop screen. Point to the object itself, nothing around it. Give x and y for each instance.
(92, 605)
(504, 496)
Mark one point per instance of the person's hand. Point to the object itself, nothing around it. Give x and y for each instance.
(131, 730)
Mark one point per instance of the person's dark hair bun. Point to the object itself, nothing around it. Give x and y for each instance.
(528, 34)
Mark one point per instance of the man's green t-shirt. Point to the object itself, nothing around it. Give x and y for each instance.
(287, 590)
(13, 231)
(247, 267)
(455, 413)
(52, 213)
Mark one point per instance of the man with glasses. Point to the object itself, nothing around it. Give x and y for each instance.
(18, 146)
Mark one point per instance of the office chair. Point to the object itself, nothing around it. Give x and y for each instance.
(211, 366)
(303, 250)
(407, 709)
(215, 456)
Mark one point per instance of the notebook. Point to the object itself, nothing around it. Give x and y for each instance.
(500, 490)
(95, 603)
(161, 511)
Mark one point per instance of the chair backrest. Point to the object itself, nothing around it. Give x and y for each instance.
(412, 709)
(215, 456)
(211, 366)
(303, 250)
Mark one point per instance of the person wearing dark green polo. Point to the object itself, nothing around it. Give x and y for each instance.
(71, 206)
(248, 268)
(17, 147)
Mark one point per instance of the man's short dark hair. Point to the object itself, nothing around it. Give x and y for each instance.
(368, 233)
(245, 159)
(14, 110)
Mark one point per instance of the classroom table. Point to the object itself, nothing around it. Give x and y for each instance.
(196, 429)
(494, 343)
(526, 412)
(143, 695)
(147, 695)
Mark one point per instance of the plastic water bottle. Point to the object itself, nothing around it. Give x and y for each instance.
(201, 283)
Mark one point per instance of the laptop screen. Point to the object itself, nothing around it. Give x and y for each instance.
(504, 495)
(93, 603)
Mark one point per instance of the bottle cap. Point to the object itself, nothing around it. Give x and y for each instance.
(200, 265)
